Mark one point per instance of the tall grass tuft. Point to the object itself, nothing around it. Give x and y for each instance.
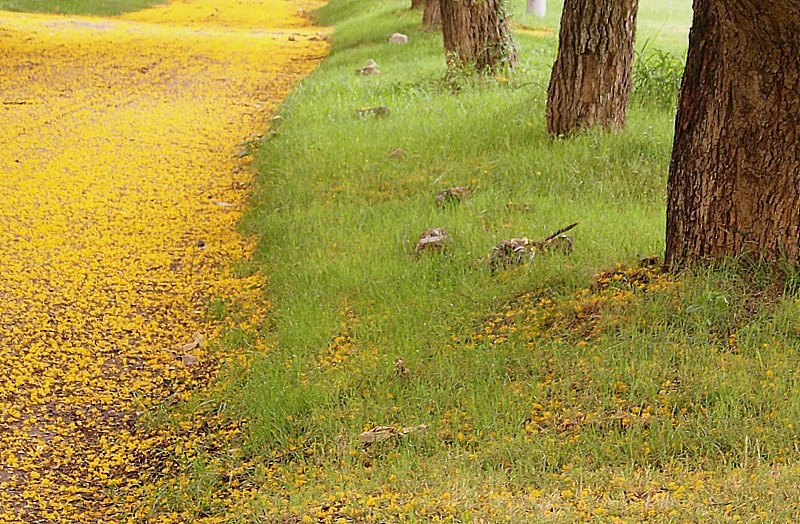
(657, 75)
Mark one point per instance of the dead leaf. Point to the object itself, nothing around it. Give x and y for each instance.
(453, 194)
(400, 368)
(369, 68)
(516, 250)
(398, 153)
(381, 433)
(649, 261)
(518, 205)
(198, 341)
(562, 244)
(378, 434)
(380, 111)
(189, 360)
(422, 428)
(510, 253)
(433, 239)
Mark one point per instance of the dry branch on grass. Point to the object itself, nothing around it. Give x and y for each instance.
(514, 251)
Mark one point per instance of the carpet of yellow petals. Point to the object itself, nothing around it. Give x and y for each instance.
(122, 179)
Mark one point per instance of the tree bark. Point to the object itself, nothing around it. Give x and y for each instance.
(591, 80)
(734, 181)
(476, 34)
(416, 4)
(432, 15)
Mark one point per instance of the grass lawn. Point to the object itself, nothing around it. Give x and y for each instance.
(573, 388)
(78, 7)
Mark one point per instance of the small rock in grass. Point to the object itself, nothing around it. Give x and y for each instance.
(453, 194)
(398, 38)
(369, 68)
(433, 239)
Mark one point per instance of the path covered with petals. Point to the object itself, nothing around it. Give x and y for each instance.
(122, 177)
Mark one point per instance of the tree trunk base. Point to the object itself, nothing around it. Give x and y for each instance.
(734, 182)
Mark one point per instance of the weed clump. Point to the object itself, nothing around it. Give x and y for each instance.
(657, 76)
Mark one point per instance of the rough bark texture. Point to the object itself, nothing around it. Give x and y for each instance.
(417, 4)
(432, 16)
(591, 80)
(734, 181)
(476, 34)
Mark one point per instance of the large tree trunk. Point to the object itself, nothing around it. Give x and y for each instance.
(591, 80)
(476, 34)
(432, 16)
(734, 181)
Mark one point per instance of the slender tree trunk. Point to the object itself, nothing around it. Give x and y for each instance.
(417, 4)
(591, 80)
(476, 34)
(734, 181)
(432, 16)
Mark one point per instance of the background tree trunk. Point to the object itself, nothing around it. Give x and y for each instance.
(591, 79)
(432, 16)
(476, 33)
(416, 4)
(734, 181)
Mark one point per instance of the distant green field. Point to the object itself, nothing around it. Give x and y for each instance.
(664, 23)
(77, 7)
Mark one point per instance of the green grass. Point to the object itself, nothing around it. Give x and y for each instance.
(78, 7)
(568, 389)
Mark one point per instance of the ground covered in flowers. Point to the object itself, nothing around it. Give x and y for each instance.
(124, 165)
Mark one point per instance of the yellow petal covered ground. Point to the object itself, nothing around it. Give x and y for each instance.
(122, 179)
